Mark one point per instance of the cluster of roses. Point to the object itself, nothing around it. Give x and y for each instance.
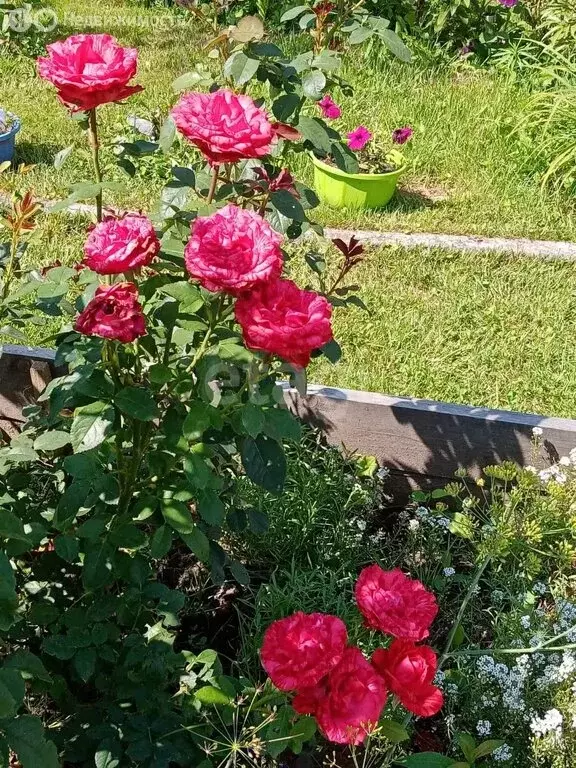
(234, 250)
(309, 654)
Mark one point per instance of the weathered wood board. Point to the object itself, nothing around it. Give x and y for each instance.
(422, 442)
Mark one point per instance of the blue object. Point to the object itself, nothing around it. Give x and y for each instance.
(8, 141)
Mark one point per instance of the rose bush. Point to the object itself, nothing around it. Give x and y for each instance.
(114, 313)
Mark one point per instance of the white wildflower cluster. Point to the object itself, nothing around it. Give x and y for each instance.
(483, 728)
(566, 619)
(540, 588)
(449, 572)
(561, 471)
(525, 621)
(414, 525)
(383, 473)
(502, 754)
(537, 431)
(558, 670)
(510, 680)
(550, 723)
(423, 515)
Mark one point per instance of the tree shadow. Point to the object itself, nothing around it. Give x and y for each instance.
(415, 198)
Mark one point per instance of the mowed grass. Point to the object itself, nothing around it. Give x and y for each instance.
(469, 173)
(486, 330)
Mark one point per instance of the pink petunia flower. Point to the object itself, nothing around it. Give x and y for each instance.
(508, 3)
(402, 135)
(330, 110)
(358, 138)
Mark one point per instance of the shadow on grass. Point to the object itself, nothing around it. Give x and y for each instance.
(32, 153)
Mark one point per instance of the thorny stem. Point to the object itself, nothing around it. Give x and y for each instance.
(213, 184)
(95, 147)
(9, 273)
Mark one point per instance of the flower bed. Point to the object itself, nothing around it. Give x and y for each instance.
(159, 475)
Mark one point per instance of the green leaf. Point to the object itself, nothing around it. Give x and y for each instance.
(282, 425)
(52, 440)
(395, 45)
(4, 748)
(85, 466)
(467, 745)
(293, 13)
(461, 525)
(8, 597)
(258, 521)
(198, 543)
(211, 508)
(161, 542)
(264, 462)
(11, 527)
(26, 737)
(67, 548)
(427, 760)
(360, 35)
(285, 106)
(393, 731)
(191, 80)
(344, 158)
(137, 403)
(8, 704)
(332, 351)
(71, 501)
(313, 84)
(241, 68)
(253, 419)
(98, 568)
(28, 665)
(314, 130)
(108, 754)
(487, 748)
(167, 135)
(248, 28)
(61, 157)
(288, 205)
(210, 695)
(85, 663)
(197, 421)
(240, 573)
(185, 293)
(91, 425)
(178, 516)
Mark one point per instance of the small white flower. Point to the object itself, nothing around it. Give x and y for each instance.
(502, 754)
(551, 723)
(361, 525)
(525, 621)
(539, 588)
(564, 461)
(537, 431)
(483, 727)
(532, 469)
(448, 571)
(414, 525)
(383, 473)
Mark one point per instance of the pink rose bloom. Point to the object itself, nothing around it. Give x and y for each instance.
(225, 126)
(402, 135)
(114, 313)
(89, 70)
(300, 650)
(121, 245)
(348, 702)
(395, 604)
(281, 319)
(409, 671)
(358, 138)
(233, 250)
(330, 110)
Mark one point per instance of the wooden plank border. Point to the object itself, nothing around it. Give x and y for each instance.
(422, 442)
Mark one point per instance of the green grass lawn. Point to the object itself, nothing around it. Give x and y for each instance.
(488, 330)
(468, 173)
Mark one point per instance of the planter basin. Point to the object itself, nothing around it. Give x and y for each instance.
(354, 190)
(8, 142)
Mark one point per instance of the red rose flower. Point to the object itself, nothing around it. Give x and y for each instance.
(280, 319)
(408, 671)
(393, 603)
(225, 126)
(301, 649)
(348, 702)
(121, 245)
(113, 313)
(89, 70)
(233, 250)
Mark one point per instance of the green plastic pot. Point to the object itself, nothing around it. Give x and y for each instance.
(354, 190)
